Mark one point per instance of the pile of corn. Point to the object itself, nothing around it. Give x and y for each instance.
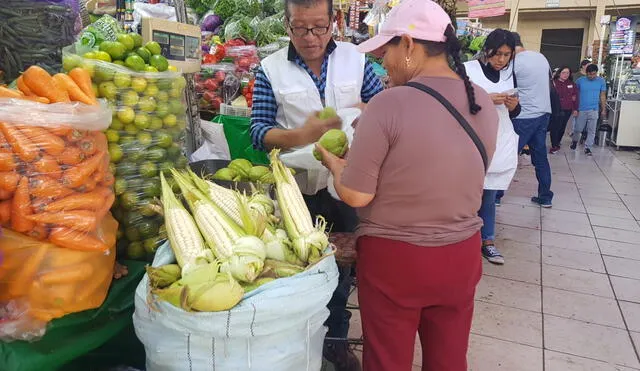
(228, 243)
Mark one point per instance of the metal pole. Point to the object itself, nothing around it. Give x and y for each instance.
(602, 35)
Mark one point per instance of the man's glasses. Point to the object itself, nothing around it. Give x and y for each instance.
(303, 31)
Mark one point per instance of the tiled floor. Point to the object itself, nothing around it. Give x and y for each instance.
(568, 298)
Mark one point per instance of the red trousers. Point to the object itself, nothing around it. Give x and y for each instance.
(404, 289)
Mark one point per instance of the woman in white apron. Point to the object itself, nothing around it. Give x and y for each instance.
(493, 72)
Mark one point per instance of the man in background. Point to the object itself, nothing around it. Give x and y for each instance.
(582, 71)
(531, 124)
(592, 95)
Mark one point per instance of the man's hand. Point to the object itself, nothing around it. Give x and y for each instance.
(498, 98)
(511, 102)
(575, 113)
(603, 114)
(331, 161)
(314, 127)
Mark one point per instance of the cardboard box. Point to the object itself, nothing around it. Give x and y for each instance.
(180, 42)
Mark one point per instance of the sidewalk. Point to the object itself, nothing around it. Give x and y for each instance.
(568, 297)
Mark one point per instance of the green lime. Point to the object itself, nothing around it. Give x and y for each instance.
(71, 61)
(146, 208)
(148, 228)
(148, 169)
(126, 40)
(112, 136)
(119, 63)
(176, 107)
(151, 69)
(116, 124)
(90, 67)
(151, 245)
(136, 184)
(152, 189)
(156, 154)
(147, 104)
(162, 96)
(144, 53)
(179, 83)
(116, 50)
(151, 90)
(176, 93)
(162, 232)
(129, 98)
(135, 62)
(107, 90)
(115, 152)
(153, 47)
(131, 129)
(135, 250)
(174, 151)
(104, 73)
(125, 169)
(89, 55)
(177, 133)
(170, 121)
(126, 115)
(126, 139)
(144, 138)
(142, 121)
(156, 123)
(139, 84)
(112, 168)
(162, 110)
(165, 84)
(159, 62)
(129, 200)
(181, 162)
(120, 186)
(166, 166)
(103, 56)
(122, 80)
(163, 139)
(137, 39)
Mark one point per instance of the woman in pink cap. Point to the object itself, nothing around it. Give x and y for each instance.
(415, 171)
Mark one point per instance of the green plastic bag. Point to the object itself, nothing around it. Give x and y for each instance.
(237, 132)
(76, 335)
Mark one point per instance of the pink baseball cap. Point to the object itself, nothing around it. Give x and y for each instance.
(420, 19)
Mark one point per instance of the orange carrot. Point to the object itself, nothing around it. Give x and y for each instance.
(79, 201)
(24, 276)
(37, 99)
(42, 84)
(83, 80)
(10, 93)
(4, 145)
(75, 93)
(47, 165)
(5, 195)
(75, 135)
(71, 156)
(106, 206)
(79, 220)
(21, 208)
(7, 162)
(61, 131)
(39, 204)
(23, 87)
(5, 212)
(89, 185)
(9, 180)
(39, 232)
(108, 180)
(43, 139)
(76, 176)
(75, 240)
(67, 275)
(45, 187)
(88, 145)
(22, 146)
(102, 144)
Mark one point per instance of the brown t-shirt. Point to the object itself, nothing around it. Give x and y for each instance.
(425, 171)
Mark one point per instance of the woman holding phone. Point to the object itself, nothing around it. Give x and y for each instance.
(493, 72)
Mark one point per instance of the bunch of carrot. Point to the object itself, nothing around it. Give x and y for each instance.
(37, 85)
(55, 183)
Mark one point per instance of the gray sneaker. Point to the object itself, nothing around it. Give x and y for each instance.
(492, 254)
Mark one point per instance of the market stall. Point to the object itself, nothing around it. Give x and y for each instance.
(623, 96)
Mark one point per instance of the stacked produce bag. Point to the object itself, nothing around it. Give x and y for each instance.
(269, 270)
(145, 137)
(55, 196)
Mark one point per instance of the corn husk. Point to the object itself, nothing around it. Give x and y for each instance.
(163, 276)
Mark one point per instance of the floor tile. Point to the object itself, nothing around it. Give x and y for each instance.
(631, 313)
(518, 215)
(626, 288)
(510, 293)
(622, 267)
(489, 354)
(620, 249)
(589, 340)
(635, 336)
(554, 361)
(513, 270)
(615, 223)
(566, 222)
(519, 251)
(505, 323)
(605, 211)
(596, 194)
(603, 202)
(616, 235)
(576, 280)
(519, 234)
(583, 307)
(572, 259)
(567, 241)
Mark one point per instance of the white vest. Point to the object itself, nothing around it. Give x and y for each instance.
(298, 98)
(505, 160)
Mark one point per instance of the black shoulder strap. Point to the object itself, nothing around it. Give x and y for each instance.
(456, 114)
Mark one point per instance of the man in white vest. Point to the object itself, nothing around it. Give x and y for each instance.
(291, 87)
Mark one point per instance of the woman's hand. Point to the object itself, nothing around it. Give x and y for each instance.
(331, 161)
(511, 102)
(498, 98)
(575, 113)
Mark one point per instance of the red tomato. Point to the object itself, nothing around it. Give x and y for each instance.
(209, 96)
(219, 76)
(211, 85)
(216, 102)
(209, 59)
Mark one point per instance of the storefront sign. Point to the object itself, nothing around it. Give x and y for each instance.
(486, 8)
(623, 36)
(553, 4)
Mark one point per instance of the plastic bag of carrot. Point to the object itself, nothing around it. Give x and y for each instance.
(55, 188)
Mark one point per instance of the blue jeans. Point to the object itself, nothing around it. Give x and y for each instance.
(533, 132)
(488, 214)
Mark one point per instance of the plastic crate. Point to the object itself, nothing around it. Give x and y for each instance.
(228, 110)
